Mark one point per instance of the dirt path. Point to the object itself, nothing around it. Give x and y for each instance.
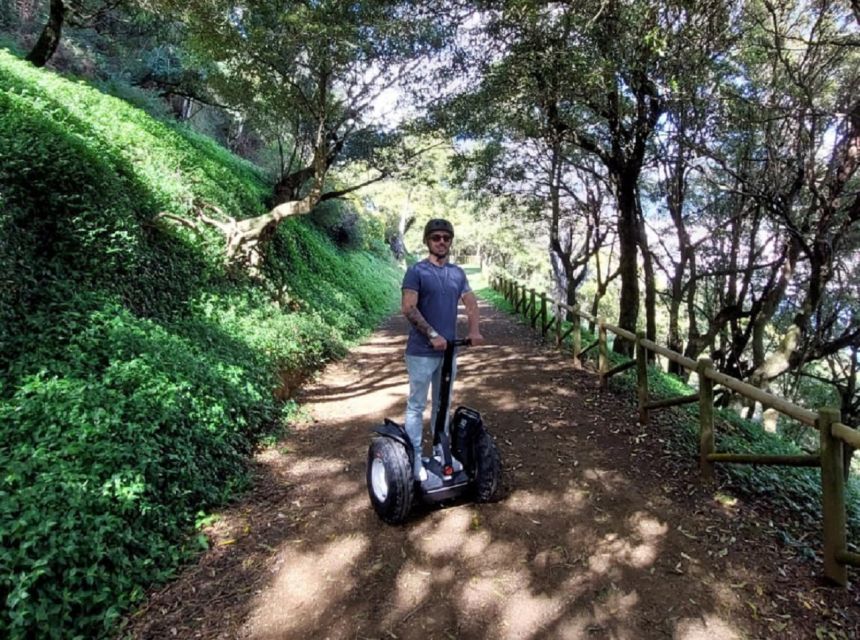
(599, 533)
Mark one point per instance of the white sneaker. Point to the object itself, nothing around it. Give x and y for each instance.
(421, 474)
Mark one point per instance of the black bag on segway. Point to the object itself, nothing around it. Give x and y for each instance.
(466, 426)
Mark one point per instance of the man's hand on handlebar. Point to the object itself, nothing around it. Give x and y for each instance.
(476, 339)
(439, 343)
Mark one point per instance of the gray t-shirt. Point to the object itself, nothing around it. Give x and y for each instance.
(439, 292)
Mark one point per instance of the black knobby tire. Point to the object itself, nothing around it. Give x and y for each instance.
(488, 468)
(389, 479)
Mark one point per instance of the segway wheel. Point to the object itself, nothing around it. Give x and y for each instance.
(488, 469)
(389, 480)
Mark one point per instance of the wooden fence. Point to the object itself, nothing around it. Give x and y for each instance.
(833, 434)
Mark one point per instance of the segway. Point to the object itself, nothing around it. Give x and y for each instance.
(467, 463)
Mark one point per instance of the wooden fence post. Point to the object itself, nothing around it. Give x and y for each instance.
(558, 315)
(542, 314)
(832, 496)
(642, 377)
(576, 336)
(706, 420)
(603, 351)
(530, 314)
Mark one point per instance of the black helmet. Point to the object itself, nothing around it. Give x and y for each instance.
(438, 224)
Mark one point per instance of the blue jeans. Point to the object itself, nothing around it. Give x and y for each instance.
(423, 371)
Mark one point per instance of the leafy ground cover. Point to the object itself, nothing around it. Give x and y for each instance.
(137, 374)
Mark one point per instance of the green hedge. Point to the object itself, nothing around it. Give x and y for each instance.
(136, 374)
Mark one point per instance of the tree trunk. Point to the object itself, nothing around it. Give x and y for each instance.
(650, 284)
(767, 368)
(568, 271)
(628, 241)
(676, 193)
(49, 39)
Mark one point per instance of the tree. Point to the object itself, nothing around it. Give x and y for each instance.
(309, 72)
(598, 76)
(77, 13)
(783, 159)
(816, 201)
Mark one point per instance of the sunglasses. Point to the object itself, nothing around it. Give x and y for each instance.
(438, 237)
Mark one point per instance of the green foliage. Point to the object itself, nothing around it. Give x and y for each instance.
(137, 374)
(303, 264)
(180, 168)
(341, 222)
(109, 449)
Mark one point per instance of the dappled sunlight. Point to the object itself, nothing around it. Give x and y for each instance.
(464, 542)
(613, 550)
(706, 627)
(574, 497)
(476, 544)
(444, 537)
(526, 613)
(296, 599)
(479, 593)
(306, 469)
(647, 526)
(613, 604)
(578, 627)
(582, 544)
(535, 503)
(508, 401)
(608, 478)
(357, 504)
(359, 404)
(503, 552)
(413, 586)
(343, 488)
(492, 586)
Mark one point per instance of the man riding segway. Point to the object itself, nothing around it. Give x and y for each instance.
(431, 292)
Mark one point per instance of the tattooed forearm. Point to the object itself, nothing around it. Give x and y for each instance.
(414, 316)
(409, 307)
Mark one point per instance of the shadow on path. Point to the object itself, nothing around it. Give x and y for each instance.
(595, 537)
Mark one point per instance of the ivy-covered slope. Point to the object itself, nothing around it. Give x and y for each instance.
(136, 375)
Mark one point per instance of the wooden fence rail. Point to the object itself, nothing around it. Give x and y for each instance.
(833, 434)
